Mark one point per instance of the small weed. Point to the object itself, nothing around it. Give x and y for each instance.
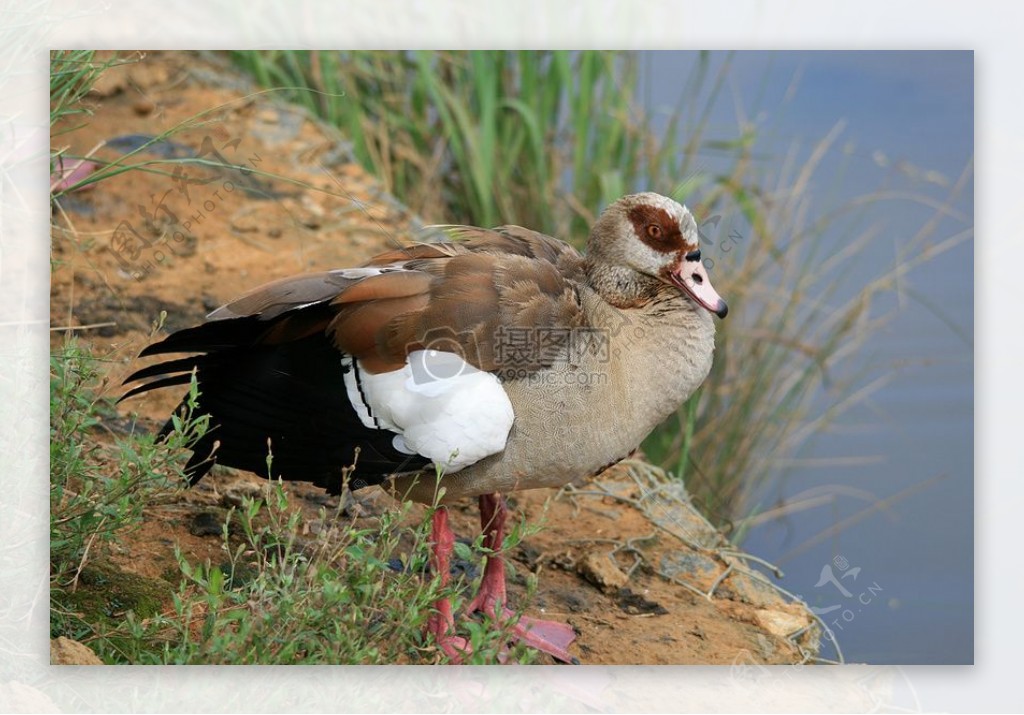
(72, 76)
(287, 590)
(332, 598)
(98, 489)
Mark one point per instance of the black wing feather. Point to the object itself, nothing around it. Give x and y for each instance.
(292, 394)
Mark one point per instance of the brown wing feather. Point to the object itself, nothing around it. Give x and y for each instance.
(393, 284)
(466, 296)
(478, 291)
(516, 240)
(276, 298)
(357, 328)
(417, 250)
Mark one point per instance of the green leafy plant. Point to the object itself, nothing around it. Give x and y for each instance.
(338, 597)
(99, 489)
(72, 76)
(287, 591)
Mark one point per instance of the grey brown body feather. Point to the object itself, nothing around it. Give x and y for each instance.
(586, 412)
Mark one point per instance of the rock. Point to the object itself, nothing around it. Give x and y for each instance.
(276, 125)
(236, 493)
(143, 106)
(746, 588)
(635, 604)
(206, 523)
(598, 568)
(780, 623)
(367, 502)
(64, 651)
(110, 82)
(145, 75)
(691, 567)
(268, 115)
(766, 647)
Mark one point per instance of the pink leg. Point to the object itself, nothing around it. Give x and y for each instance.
(492, 596)
(547, 636)
(442, 623)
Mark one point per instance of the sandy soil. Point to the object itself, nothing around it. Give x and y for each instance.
(611, 562)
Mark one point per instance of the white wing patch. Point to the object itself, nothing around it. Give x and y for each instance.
(438, 405)
(357, 273)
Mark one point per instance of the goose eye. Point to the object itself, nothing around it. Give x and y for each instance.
(654, 230)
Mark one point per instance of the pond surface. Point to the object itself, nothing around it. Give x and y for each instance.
(889, 561)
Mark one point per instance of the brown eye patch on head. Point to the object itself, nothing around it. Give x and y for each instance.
(656, 227)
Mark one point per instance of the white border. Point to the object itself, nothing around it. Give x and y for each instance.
(28, 29)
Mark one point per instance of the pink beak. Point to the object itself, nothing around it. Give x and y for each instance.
(692, 277)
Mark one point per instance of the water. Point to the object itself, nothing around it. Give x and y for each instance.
(897, 579)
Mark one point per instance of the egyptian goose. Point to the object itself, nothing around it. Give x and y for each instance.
(501, 360)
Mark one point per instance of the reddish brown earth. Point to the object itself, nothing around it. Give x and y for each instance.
(222, 232)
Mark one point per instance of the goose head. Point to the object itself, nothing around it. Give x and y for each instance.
(645, 240)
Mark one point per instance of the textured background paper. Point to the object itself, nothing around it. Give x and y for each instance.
(28, 30)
